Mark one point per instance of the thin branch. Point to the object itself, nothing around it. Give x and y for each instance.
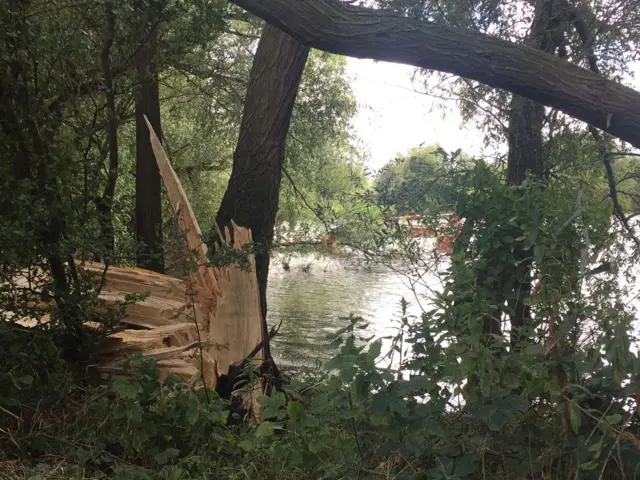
(586, 38)
(104, 204)
(623, 154)
(304, 199)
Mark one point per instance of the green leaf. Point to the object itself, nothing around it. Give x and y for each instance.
(614, 419)
(177, 474)
(320, 402)
(515, 403)
(295, 457)
(192, 415)
(465, 465)
(273, 404)
(266, 429)
(26, 380)
(134, 413)
(348, 373)
(574, 416)
(573, 215)
(342, 331)
(591, 465)
(165, 457)
(596, 448)
(361, 385)
(248, 445)
(295, 410)
(125, 389)
(310, 421)
(380, 403)
(375, 349)
(497, 421)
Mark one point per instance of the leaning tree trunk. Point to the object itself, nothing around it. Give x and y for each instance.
(150, 253)
(344, 29)
(251, 199)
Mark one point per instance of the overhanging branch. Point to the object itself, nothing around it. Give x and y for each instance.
(361, 32)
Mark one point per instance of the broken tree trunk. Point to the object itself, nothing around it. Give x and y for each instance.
(197, 328)
(228, 296)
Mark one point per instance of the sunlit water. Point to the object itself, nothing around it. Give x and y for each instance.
(311, 301)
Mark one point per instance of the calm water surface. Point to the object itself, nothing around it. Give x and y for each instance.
(310, 302)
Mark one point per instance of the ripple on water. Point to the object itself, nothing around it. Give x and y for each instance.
(310, 304)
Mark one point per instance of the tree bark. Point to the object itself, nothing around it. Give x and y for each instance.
(150, 253)
(526, 156)
(527, 153)
(367, 33)
(251, 198)
(104, 204)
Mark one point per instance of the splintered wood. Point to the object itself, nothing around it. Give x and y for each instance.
(189, 329)
(195, 327)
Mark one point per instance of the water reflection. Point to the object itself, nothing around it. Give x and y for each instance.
(316, 291)
(310, 302)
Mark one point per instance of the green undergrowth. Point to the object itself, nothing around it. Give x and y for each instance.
(469, 395)
(58, 424)
(349, 419)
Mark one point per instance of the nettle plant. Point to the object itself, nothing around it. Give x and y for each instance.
(531, 352)
(523, 368)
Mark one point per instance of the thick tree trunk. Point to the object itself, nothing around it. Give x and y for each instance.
(367, 33)
(527, 157)
(148, 182)
(251, 199)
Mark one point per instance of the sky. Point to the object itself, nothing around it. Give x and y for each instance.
(393, 117)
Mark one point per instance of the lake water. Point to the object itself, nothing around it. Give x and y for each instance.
(312, 295)
(310, 302)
